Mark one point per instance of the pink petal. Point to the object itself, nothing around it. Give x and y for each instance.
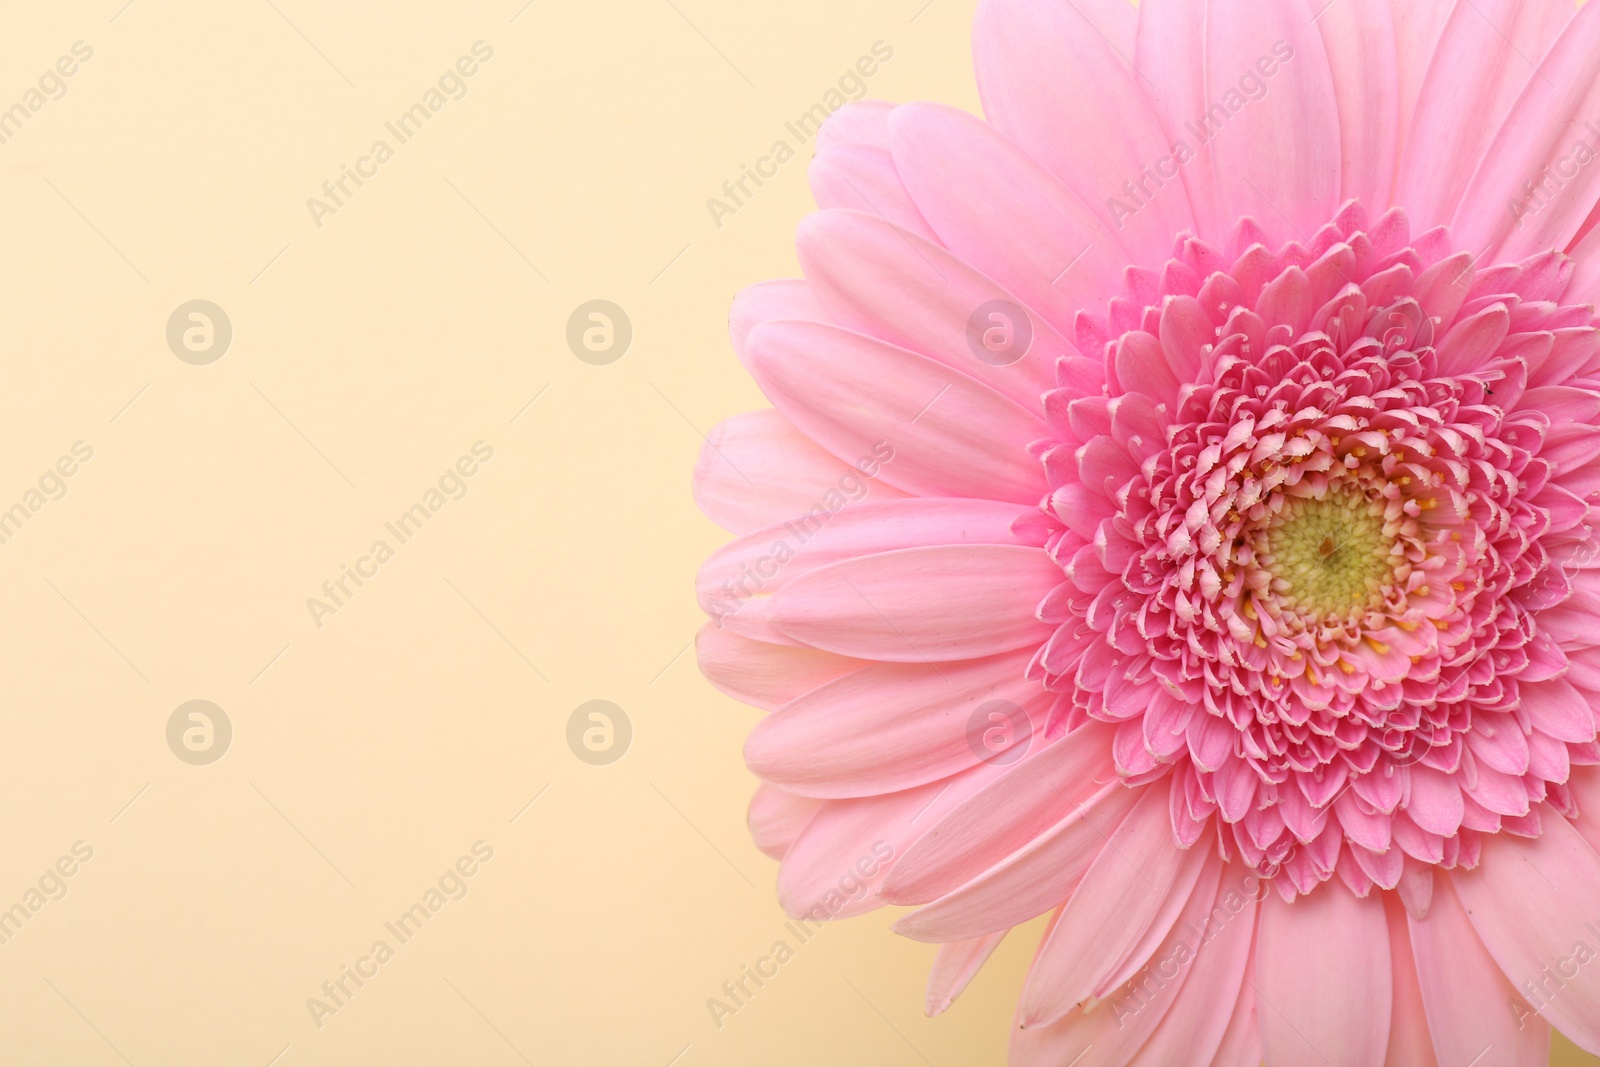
(853, 168)
(1030, 883)
(1205, 1009)
(935, 431)
(921, 605)
(1171, 74)
(1003, 213)
(1470, 1005)
(1054, 84)
(776, 818)
(1530, 902)
(956, 964)
(1121, 893)
(1323, 979)
(1484, 56)
(756, 469)
(878, 280)
(1360, 42)
(847, 849)
(1022, 804)
(1278, 157)
(764, 675)
(1409, 1040)
(1541, 126)
(1111, 1031)
(895, 726)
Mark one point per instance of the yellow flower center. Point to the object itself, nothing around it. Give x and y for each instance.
(1329, 555)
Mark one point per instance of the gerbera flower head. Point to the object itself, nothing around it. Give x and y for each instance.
(1176, 517)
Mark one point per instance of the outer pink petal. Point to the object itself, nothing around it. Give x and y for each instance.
(848, 848)
(949, 434)
(1360, 41)
(895, 726)
(1416, 30)
(853, 168)
(1120, 894)
(756, 470)
(956, 964)
(737, 582)
(1241, 1043)
(1323, 979)
(764, 675)
(776, 818)
(1584, 288)
(1111, 1032)
(1171, 72)
(1541, 128)
(995, 207)
(1053, 83)
(1470, 1005)
(1482, 64)
(1022, 804)
(1531, 902)
(921, 605)
(769, 301)
(1204, 1011)
(1029, 883)
(878, 280)
(1278, 157)
(1409, 1040)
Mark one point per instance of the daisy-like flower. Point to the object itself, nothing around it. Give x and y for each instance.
(1176, 518)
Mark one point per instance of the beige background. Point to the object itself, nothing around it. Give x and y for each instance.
(368, 354)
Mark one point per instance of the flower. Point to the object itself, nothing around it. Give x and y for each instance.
(1176, 518)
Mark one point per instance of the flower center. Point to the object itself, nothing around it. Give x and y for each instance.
(1328, 555)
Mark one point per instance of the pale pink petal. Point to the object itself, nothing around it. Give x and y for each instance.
(737, 583)
(853, 168)
(1323, 980)
(1003, 213)
(772, 301)
(1053, 83)
(1277, 159)
(1029, 883)
(895, 726)
(943, 433)
(1531, 902)
(1409, 1040)
(776, 818)
(1470, 1005)
(835, 866)
(1022, 804)
(1241, 1043)
(1112, 1031)
(1171, 72)
(765, 675)
(878, 280)
(1496, 212)
(1120, 895)
(756, 470)
(1202, 1017)
(1483, 62)
(1360, 40)
(919, 605)
(956, 964)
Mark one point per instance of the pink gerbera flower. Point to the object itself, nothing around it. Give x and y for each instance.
(1176, 517)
